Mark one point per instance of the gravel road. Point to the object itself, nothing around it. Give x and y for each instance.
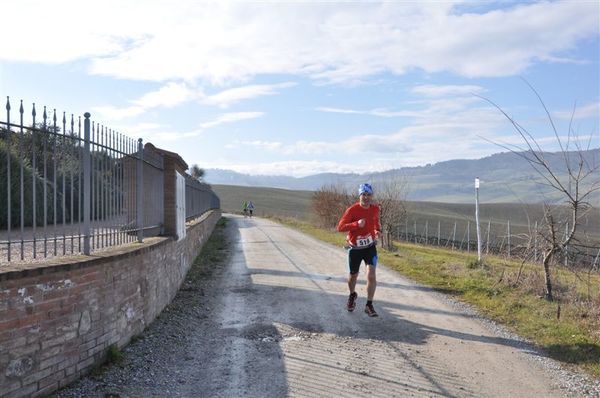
(268, 319)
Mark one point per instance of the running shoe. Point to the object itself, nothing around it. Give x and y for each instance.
(352, 301)
(370, 311)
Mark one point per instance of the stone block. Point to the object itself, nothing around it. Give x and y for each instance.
(19, 367)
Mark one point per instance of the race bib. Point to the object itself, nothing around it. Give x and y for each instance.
(364, 241)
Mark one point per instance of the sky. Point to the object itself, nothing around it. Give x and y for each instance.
(304, 87)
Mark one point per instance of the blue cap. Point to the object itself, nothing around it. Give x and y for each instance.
(365, 188)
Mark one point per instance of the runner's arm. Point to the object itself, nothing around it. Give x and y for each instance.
(346, 224)
(377, 223)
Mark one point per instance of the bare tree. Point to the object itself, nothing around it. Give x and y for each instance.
(391, 194)
(196, 172)
(329, 203)
(575, 181)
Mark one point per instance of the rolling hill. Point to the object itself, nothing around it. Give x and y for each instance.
(505, 178)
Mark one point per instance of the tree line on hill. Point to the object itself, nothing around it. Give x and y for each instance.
(505, 178)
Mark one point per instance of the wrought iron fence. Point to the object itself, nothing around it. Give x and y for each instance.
(69, 185)
(199, 198)
(497, 238)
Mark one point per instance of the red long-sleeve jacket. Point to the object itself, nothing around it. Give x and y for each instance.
(349, 222)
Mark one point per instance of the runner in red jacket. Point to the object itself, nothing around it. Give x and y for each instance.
(361, 221)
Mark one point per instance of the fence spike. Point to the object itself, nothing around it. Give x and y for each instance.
(8, 182)
(22, 183)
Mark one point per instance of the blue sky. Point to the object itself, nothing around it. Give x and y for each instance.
(299, 88)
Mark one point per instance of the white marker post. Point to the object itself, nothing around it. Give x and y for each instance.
(477, 219)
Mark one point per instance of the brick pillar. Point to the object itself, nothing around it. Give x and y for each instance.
(172, 163)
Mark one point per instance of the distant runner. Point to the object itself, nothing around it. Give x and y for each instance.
(361, 221)
(245, 209)
(250, 208)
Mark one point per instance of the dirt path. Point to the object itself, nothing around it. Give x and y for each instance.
(273, 323)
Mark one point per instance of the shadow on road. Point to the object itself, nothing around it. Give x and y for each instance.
(273, 309)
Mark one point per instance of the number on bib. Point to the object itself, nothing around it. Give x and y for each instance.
(364, 241)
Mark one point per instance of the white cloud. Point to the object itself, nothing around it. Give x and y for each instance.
(231, 118)
(168, 136)
(169, 96)
(410, 147)
(226, 98)
(225, 42)
(372, 112)
(301, 168)
(268, 145)
(583, 112)
(111, 113)
(339, 110)
(157, 132)
(135, 130)
(442, 107)
(447, 120)
(173, 94)
(513, 140)
(221, 119)
(432, 90)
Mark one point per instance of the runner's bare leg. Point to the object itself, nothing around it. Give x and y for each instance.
(352, 282)
(371, 282)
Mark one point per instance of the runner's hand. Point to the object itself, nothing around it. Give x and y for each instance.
(361, 223)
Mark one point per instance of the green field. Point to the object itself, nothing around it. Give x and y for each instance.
(267, 201)
(297, 204)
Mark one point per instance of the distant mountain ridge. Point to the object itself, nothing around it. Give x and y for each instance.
(505, 177)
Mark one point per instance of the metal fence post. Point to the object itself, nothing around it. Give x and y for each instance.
(566, 246)
(468, 236)
(477, 219)
(415, 232)
(87, 180)
(454, 235)
(22, 181)
(8, 175)
(487, 241)
(33, 175)
(508, 234)
(535, 248)
(138, 192)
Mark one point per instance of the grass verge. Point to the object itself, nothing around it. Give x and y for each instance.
(209, 261)
(505, 291)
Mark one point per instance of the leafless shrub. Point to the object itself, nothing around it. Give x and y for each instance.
(329, 203)
(532, 282)
(391, 196)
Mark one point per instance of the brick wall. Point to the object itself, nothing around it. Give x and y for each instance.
(57, 320)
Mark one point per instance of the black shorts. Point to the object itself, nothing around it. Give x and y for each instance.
(356, 256)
